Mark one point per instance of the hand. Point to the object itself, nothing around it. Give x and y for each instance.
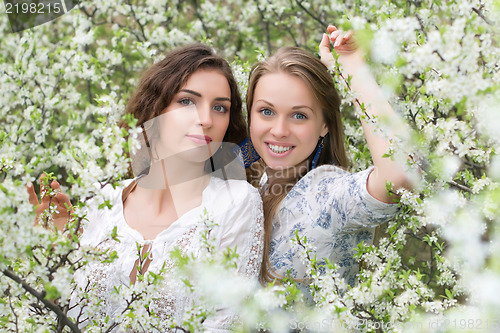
(343, 43)
(51, 196)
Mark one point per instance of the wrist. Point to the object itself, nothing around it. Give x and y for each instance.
(352, 60)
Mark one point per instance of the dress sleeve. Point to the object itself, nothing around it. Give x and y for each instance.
(362, 210)
(338, 201)
(96, 225)
(244, 230)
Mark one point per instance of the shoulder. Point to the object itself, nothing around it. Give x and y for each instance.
(107, 201)
(327, 171)
(107, 195)
(115, 193)
(332, 173)
(236, 191)
(328, 185)
(322, 177)
(235, 203)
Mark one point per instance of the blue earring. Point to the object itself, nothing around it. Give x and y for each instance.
(247, 151)
(318, 153)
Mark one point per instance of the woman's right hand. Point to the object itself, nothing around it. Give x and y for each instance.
(50, 196)
(343, 43)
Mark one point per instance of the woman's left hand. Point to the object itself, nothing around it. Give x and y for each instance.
(343, 43)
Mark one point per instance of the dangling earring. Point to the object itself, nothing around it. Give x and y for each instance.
(318, 153)
(247, 151)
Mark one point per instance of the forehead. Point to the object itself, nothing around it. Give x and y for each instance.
(208, 82)
(284, 89)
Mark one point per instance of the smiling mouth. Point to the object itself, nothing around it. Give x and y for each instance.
(279, 149)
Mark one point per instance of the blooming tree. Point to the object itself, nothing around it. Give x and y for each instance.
(435, 266)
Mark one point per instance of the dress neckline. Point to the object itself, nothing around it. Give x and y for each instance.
(138, 236)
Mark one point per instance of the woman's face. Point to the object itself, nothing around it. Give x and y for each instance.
(193, 126)
(286, 121)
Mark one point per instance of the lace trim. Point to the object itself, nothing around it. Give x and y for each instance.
(256, 250)
(167, 305)
(96, 281)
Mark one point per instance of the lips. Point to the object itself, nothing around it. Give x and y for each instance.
(200, 139)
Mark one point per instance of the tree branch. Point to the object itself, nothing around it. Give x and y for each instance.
(41, 297)
(481, 15)
(266, 28)
(317, 19)
(460, 186)
(137, 20)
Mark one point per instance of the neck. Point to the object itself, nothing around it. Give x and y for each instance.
(172, 183)
(294, 172)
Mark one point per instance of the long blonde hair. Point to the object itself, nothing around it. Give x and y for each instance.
(299, 63)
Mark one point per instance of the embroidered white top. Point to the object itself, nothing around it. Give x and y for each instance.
(333, 208)
(234, 205)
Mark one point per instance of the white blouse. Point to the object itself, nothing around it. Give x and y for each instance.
(333, 208)
(235, 207)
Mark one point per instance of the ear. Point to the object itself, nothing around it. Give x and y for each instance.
(324, 130)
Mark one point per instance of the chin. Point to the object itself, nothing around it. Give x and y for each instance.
(195, 155)
(278, 166)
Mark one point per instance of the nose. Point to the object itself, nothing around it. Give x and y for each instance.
(280, 128)
(205, 115)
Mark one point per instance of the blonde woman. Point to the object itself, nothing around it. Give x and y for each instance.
(295, 127)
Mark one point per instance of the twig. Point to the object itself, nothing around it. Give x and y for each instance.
(460, 186)
(317, 19)
(266, 28)
(137, 20)
(41, 297)
(198, 15)
(15, 314)
(481, 15)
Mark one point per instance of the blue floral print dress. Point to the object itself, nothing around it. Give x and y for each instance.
(334, 210)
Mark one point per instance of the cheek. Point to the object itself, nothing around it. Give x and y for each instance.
(221, 129)
(303, 133)
(255, 132)
(257, 126)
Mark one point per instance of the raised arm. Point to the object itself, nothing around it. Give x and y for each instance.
(368, 93)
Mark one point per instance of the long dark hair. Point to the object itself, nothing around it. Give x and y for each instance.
(163, 80)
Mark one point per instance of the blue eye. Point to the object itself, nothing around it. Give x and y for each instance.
(266, 112)
(299, 116)
(220, 108)
(186, 102)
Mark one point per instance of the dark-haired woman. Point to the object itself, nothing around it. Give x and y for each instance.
(189, 108)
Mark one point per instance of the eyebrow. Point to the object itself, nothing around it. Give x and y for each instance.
(296, 107)
(199, 95)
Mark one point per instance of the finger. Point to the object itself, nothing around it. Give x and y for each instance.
(339, 40)
(32, 198)
(41, 178)
(348, 35)
(334, 35)
(324, 44)
(55, 185)
(43, 190)
(324, 48)
(63, 201)
(331, 28)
